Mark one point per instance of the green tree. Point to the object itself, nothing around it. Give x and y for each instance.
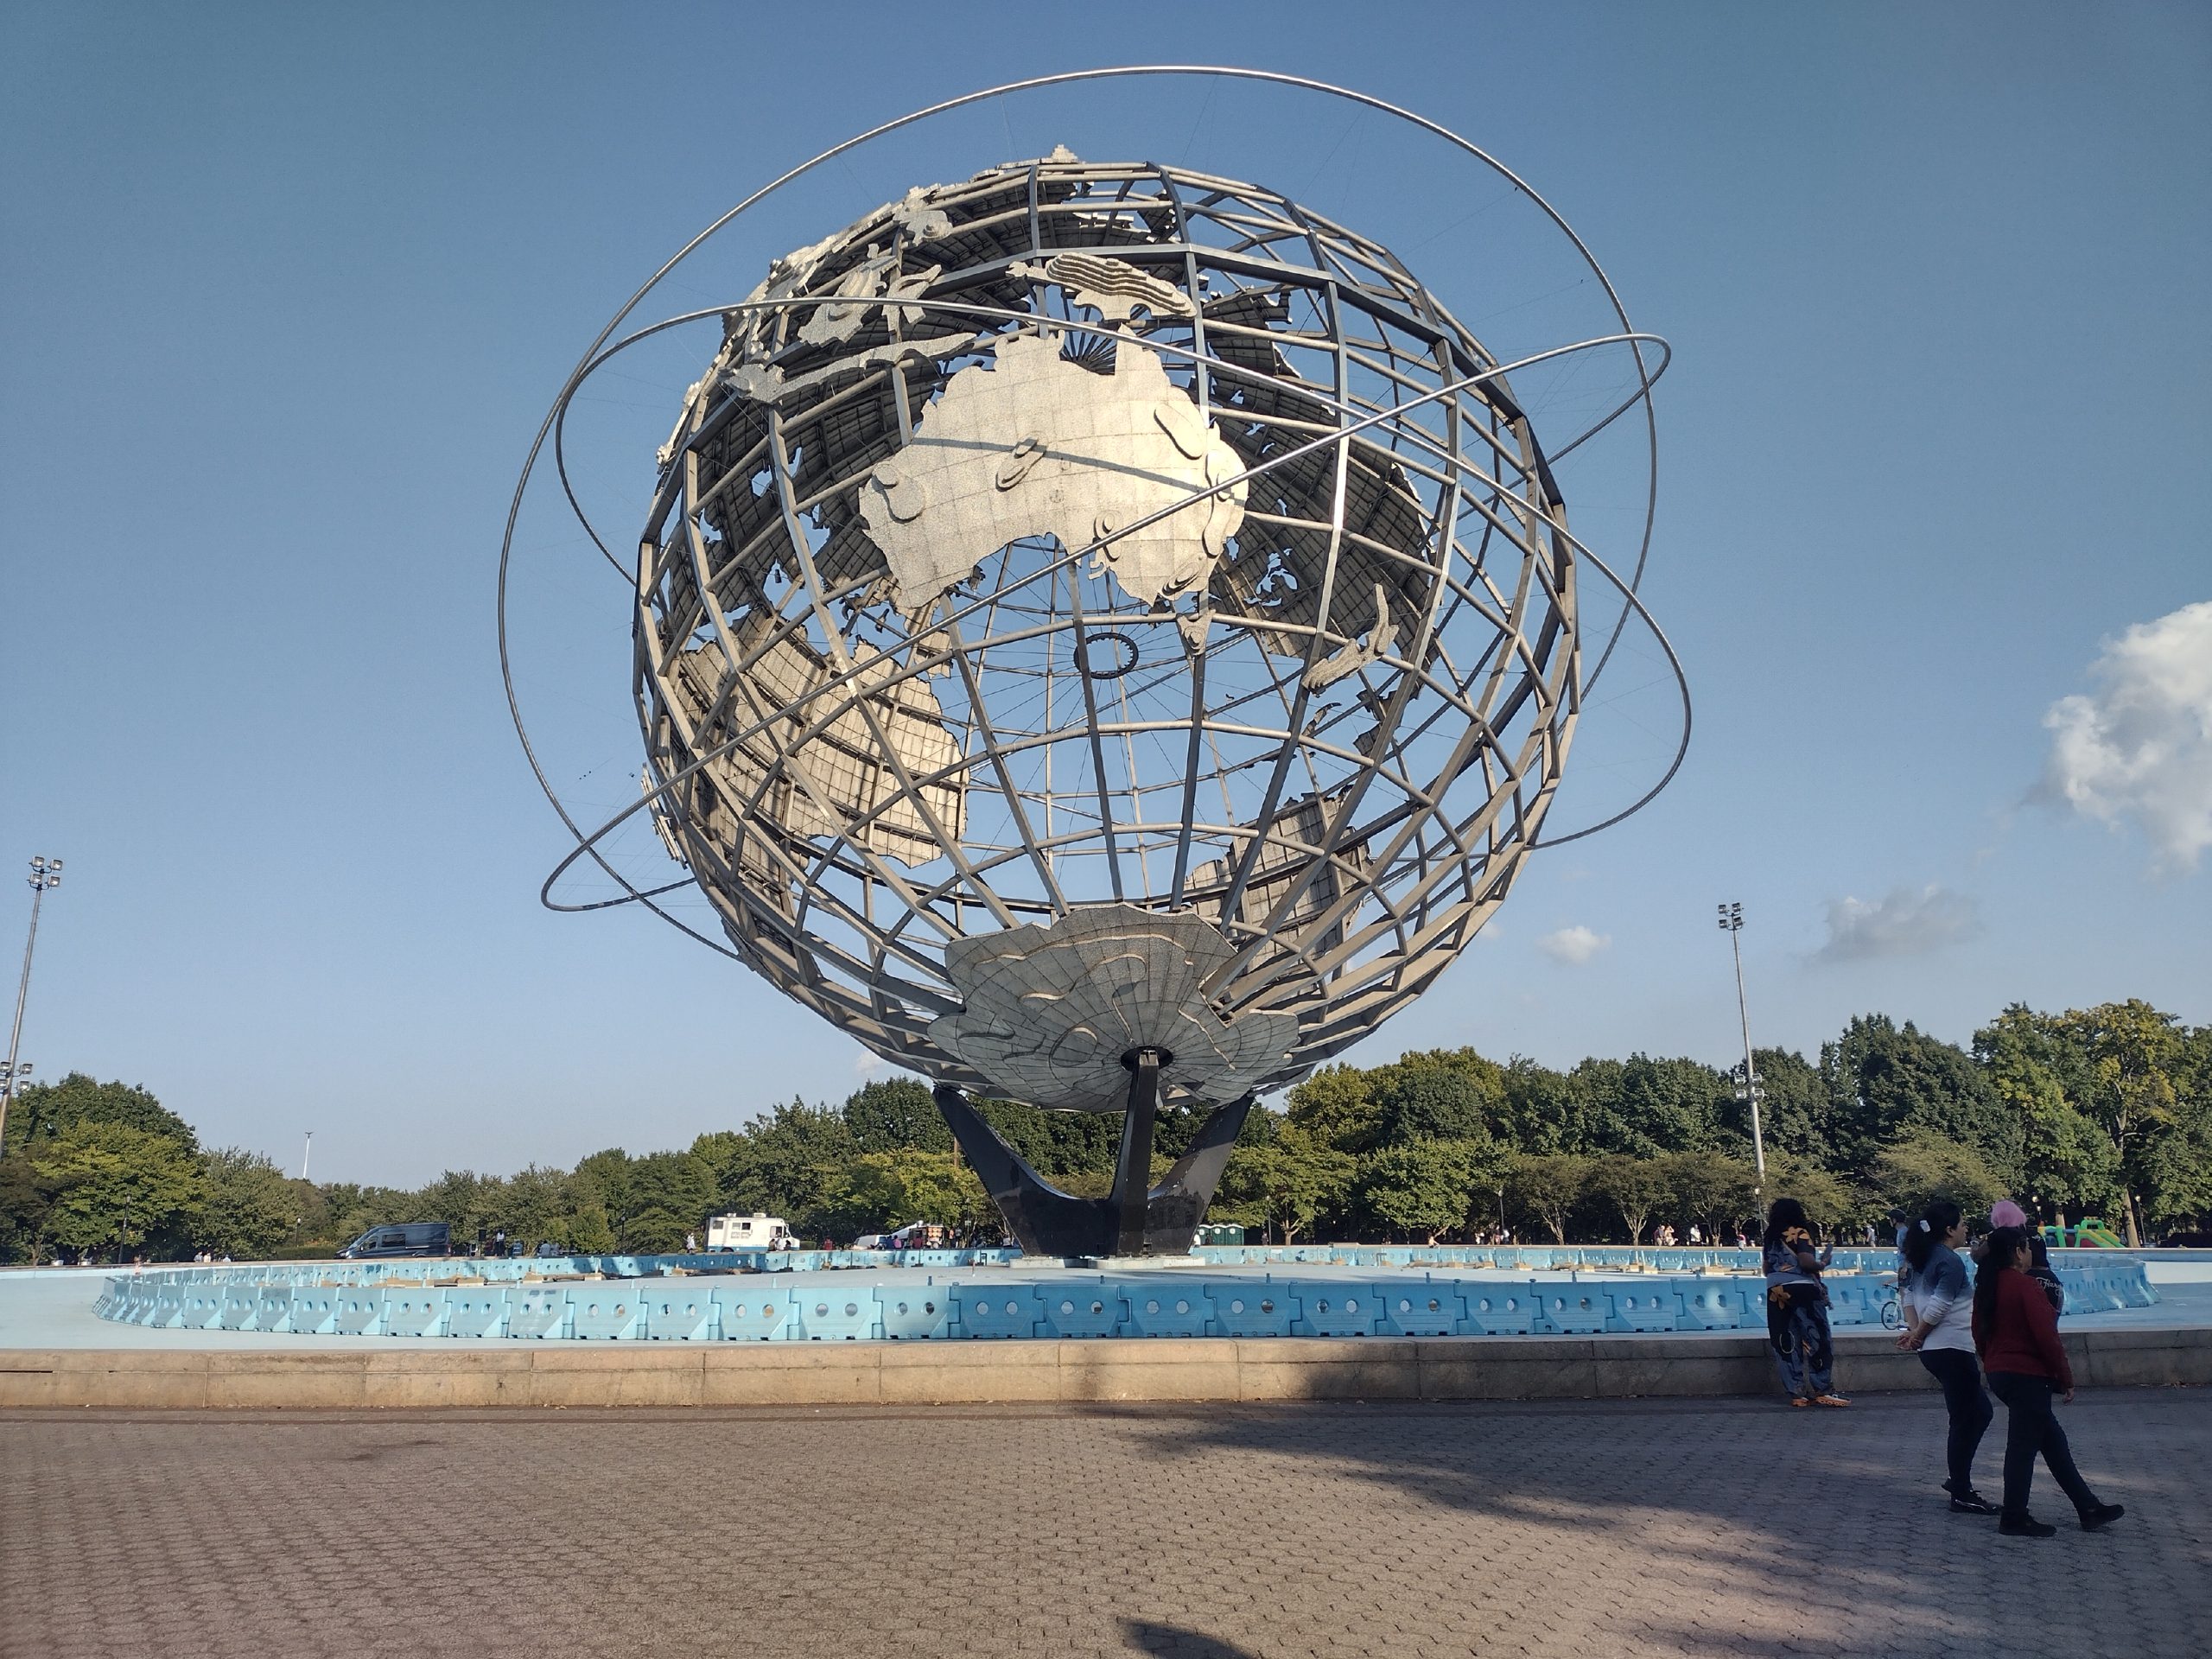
(1641, 1107)
(2068, 1164)
(895, 1114)
(27, 1192)
(1882, 1079)
(1332, 1108)
(792, 1164)
(1549, 1185)
(589, 1231)
(1076, 1149)
(1634, 1187)
(1710, 1188)
(1791, 1099)
(1831, 1202)
(46, 1110)
(665, 1196)
(888, 1189)
(1425, 1185)
(1286, 1184)
(461, 1198)
(531, 1206)
(246, 1208)
(1538, 1108)
(2129, 1053)
(1921, 1165)
(1440, 1095)
(117, 1186)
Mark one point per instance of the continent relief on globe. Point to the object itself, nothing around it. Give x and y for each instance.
(1034, 444)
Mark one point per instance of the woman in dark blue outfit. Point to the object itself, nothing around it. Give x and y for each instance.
(1797, 1306)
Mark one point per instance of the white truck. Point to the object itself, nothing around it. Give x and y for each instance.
(754, 1232)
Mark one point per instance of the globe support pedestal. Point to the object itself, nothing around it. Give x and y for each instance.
(1136, 1218)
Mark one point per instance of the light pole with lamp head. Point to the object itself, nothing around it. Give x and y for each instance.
(46, 874)
(1732, 924)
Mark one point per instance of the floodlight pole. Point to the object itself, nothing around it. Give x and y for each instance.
(306, 1153)
(46, 872)
(1732, 922)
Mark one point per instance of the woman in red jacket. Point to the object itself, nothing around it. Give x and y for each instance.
(2016, 1332)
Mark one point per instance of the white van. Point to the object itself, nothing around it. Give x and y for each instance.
(749, 1233)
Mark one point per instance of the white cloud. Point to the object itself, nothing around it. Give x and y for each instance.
(866, 1065)
(2140, 745)
(1575, 944)
(1906, 923)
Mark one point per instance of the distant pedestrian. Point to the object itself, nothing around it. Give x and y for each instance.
(1696, 1236)
(1939, 1327)
(2016, 1333)
(1797, 1306)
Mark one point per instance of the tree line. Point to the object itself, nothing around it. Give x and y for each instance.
(2105, 1110)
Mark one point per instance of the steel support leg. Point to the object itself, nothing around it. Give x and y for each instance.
(1135, 1219)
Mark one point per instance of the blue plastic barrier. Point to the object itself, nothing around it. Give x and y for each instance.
(678, 1310)
(994, 1310)
(915, 1312)
(1499, 1309)
(413, 1311)
(1570, 1310)
(360, 1311)
(611, 1311)
(272, 1308)
(1341, 1308)
(1719, 1305)
(315, 1310)
(1419, 1309)
(1081, 1310)
(476, 1311)
(1171, 1309)
(238, 1306)
(203, 1307)
(753, 1313)
(1654, 1306)
(537, 1311)
(1854, 1301)
(836, 1313)
(390, 1299)
(1266, 1309)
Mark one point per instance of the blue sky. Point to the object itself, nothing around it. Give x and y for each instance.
(286, 290)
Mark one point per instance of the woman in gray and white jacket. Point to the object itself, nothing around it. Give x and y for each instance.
(1933, 1291)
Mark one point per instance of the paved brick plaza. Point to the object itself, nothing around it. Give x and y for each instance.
(1584, 1530)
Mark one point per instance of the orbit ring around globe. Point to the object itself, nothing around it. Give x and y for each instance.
(1097, 608)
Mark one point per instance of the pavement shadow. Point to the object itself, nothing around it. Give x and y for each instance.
(1691, 1488)
(1179, 1643)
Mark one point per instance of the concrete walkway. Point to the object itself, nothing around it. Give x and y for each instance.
(1309, 1532)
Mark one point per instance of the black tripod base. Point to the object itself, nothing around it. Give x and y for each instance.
(1136, 1218)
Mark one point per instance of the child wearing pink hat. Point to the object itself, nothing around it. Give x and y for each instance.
(2005, 1213)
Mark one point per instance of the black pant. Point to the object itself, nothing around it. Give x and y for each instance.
(1954, 1368)
(2030, 1426)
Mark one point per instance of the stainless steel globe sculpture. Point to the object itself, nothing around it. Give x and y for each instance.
(1099, 622)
